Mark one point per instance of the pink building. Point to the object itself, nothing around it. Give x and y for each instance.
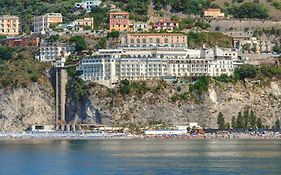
(165, 24)
(154, 40)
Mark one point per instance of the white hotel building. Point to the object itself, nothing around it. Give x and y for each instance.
(107, 66)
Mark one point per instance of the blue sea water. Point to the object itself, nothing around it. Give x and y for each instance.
(148, 157)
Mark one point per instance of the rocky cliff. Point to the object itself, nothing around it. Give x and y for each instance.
(22, 107)
(159, 105)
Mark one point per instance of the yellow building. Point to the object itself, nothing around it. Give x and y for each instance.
(119, 21)
(42, 23)
(214, 13)
(81, 23)
(9, 25)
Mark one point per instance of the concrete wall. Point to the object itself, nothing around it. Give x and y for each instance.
(240, 25)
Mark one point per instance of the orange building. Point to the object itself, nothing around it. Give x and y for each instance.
(119, 21)
(9, 25)
(214, 13)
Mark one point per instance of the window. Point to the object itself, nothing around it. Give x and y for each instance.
(157, 40)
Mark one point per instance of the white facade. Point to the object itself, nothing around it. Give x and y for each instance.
(41, 24)
(53, 53)
(107, 67)
(88, 5)
(140, 27)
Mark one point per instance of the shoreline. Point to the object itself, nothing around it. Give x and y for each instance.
(59, 135)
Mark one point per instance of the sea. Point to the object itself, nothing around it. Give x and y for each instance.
(140, 156)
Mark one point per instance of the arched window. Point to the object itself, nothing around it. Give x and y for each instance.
(157, 40)
(138, 41)
(143, 40)
(166, 40)
(132, 41)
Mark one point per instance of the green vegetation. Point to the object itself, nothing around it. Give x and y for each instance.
(203, 24)
(277, 49)
(29, 8)
(220, 121)
(80, 43)
(137, 8)
(276, 4)
(113, 34)
(244, 120)
(100, 16)
(17, 68)
(179, 97)
(125, 87)
(78, 88)
(248, 10)
(245, 71)
(53, 38)
(225, 78)
(210, 39)
(187, 7)
(186, 24)
(101, 43)
(200, 86)
(250, 71)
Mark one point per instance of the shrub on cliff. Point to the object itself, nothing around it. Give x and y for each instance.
(200, 86)
(245, 71)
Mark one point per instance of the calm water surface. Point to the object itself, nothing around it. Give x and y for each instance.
(140, 157)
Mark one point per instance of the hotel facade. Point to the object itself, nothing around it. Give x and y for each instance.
(107, 66)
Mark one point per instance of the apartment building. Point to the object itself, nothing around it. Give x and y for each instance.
(107, 67)
(86, 22)
(41, 24)
(51, 53)
(164, 24)
(151, 40)
(119, 21)
(88, 5)
(9, 25)
(139, 27)
(213, 13)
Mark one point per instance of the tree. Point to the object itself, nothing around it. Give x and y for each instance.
(233, 122)
(113, 34)
(253, 120)
(277, 124)
(220, 121)
(245, 118)
(227, 126)
(259, 123)
(53, 38)
(125, 86)
(101, 43)
(80, 43)
(239, 123)
(245, 71)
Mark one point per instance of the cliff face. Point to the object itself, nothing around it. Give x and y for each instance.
(22, 107)
(102, 107)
